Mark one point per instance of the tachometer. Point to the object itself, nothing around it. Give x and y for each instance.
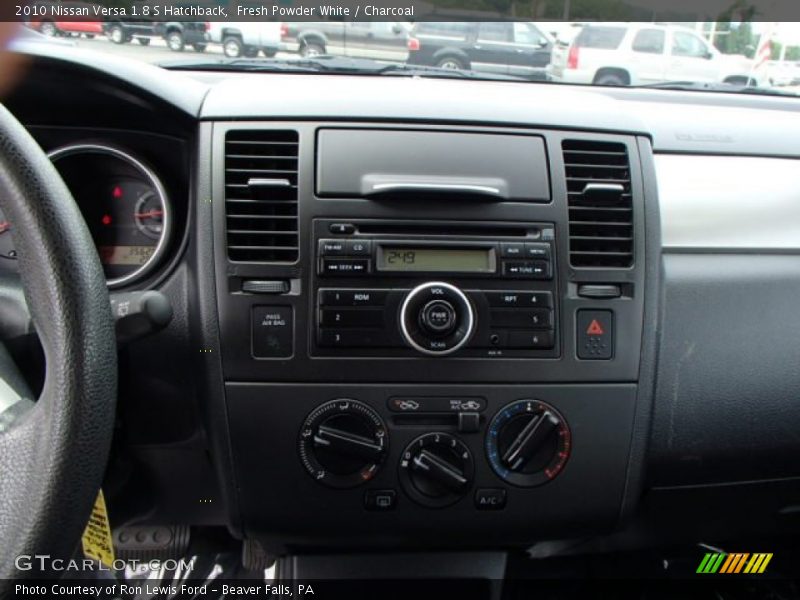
(149, 215)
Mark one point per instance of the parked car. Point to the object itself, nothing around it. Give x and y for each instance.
(143, 29)
(121, 31)
(179, 34)
(782, 72)
(246, 38)
(515, 48)
(563, 33)
(382, 40)
(55, 25)
(642, 53)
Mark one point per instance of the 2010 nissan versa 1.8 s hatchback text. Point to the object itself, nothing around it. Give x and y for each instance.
(395, 326)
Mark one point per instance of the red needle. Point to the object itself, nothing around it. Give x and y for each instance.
(149, 214)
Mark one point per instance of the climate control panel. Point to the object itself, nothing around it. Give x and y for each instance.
(343, 444)
(437, 465)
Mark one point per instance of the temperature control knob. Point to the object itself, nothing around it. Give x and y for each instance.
(343, 443)
(436, 318)
(528, 443)
(436, 469)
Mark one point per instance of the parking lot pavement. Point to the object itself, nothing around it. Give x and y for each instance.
(156, 52)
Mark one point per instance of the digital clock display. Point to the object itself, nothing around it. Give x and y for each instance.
(467, 260)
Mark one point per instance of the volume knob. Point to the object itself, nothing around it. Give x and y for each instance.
(436, 318)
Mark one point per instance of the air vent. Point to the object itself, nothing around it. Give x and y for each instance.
(261, 195)
(600, 204)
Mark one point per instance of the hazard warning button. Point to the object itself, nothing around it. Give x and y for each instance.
(595, 334)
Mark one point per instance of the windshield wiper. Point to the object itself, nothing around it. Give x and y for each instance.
(729, 88)
(331, 65)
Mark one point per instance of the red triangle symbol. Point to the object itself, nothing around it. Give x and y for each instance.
(594, 328)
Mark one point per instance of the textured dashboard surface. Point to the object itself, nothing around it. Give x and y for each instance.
(726, 400)
(416, 99)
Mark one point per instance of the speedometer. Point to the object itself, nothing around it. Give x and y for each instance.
(124, 205)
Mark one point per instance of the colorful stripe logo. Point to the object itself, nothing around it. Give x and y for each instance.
(736, 562)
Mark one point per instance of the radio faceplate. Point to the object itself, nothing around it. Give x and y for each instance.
(485, 291)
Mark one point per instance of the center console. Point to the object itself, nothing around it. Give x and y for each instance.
(430, 336)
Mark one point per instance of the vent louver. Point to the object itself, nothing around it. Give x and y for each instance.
(261, 195)
(600, 204)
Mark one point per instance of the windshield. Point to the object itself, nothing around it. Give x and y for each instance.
(730, 56)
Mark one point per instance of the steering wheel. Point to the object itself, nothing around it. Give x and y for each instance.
(53, 455)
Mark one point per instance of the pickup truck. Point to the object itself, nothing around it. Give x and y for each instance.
(179, 34)
(246, 38)
(384, 40)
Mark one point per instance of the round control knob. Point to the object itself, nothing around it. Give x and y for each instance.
(436, 469)
(343, 443)
(436, 318)
(528, 443)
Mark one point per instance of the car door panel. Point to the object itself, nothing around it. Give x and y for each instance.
(648, 55)
(493, 50)
(690, 59)
(530, 52)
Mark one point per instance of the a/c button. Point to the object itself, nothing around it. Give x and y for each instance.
(490, 499)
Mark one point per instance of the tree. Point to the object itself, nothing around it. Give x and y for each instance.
(739, 39)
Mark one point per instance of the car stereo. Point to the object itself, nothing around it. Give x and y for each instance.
(442, 289)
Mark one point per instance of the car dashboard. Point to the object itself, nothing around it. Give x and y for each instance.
(406, 323)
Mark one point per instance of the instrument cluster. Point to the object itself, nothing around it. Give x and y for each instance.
(124, 204)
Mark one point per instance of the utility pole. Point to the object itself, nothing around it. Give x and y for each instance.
(565, 16)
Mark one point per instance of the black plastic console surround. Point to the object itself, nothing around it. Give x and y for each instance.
(266, 422)
(363, 444)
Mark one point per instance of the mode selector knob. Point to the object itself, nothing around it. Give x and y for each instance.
(342, 443)
(436, 469)
(436, 318)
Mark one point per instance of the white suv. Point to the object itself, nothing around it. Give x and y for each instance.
(246, 38)
(642, 53)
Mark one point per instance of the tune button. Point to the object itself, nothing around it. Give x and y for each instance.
(438, 317)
